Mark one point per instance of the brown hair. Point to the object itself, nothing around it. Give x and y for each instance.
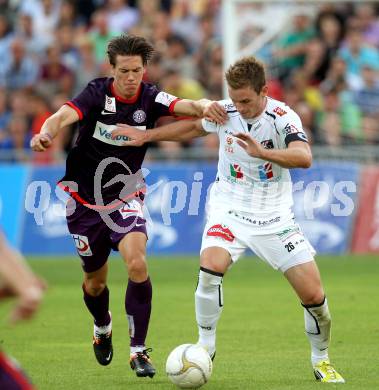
(129, 45)
(247, 71)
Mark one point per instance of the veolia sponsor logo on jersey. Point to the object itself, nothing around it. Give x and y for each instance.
(103, 133)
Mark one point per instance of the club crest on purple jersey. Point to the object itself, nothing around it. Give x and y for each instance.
(139, 116)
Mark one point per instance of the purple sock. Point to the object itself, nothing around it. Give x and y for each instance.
(138, 309)
(98, 306)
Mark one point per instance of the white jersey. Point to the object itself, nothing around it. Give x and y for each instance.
(259, 190)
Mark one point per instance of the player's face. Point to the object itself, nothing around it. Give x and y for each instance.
(128, 72)
(248, 103)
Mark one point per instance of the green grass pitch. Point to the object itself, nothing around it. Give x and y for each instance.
(261, 341)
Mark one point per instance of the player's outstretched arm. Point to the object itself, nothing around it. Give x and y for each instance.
(179, 131)
(202, 108)
(63, 117)
(297, 155)
(18, 280)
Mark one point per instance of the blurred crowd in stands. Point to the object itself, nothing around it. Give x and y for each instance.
(324, 64)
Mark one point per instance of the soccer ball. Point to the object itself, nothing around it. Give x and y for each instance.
(189, 366)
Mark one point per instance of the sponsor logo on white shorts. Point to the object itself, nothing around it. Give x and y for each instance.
(82, 245)
(221, 231)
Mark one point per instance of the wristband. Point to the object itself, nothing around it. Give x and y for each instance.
(48, 136)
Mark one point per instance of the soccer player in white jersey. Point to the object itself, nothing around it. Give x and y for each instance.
(250, 204)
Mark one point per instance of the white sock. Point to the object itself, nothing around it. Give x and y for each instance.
(208, 304)
(98, 330)
(317, 327)
(137, 348)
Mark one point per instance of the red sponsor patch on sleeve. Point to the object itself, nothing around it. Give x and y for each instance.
(280, 111)
(221, 231)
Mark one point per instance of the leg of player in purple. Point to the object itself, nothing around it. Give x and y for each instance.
(138, 308)
(138, 297)
(96, 298)
(98, 306)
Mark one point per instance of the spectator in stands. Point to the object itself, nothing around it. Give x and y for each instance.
(5, 37)
(155, 71)
(185, 23)
(39, 110)
(86, 68)
(18, 101)
(55, 77)
(356, 52)
(316, 61)
(147, 12)
(177, 55)
(5, 115)
(330, 30)
(18, 140)
(292, 46)
(370, 129)
(18, 70)
(45, 16)
(340, 122)
(214, 72)
(368, 22)
(366, 95)
(307, 116)
(66, 35)
(175, 84)
(34, 47)
(68, 15)
(121, 17)
(336, 75)
(100, 34)
(206, 48)
(161, 31)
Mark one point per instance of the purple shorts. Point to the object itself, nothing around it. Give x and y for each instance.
(96, 233)
(11, 376)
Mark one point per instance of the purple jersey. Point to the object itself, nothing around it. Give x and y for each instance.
(100, 109)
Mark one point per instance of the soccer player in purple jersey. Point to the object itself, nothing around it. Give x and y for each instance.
(105, 211)
(17, 280)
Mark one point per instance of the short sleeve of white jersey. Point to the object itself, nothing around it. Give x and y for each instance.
(289, 126)
(209, 126)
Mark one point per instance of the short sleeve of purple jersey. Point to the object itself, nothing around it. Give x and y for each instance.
(87, 100)
(164, 103)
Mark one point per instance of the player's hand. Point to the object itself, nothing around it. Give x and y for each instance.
(41, 142)
(29, 300)
(251, 146)
(215, 112)
(137, 137)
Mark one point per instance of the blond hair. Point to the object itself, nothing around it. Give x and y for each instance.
(246, 72)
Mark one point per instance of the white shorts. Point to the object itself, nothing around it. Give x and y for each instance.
(282, 249)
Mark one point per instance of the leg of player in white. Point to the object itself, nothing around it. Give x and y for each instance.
(306, 281)
(214, 262)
